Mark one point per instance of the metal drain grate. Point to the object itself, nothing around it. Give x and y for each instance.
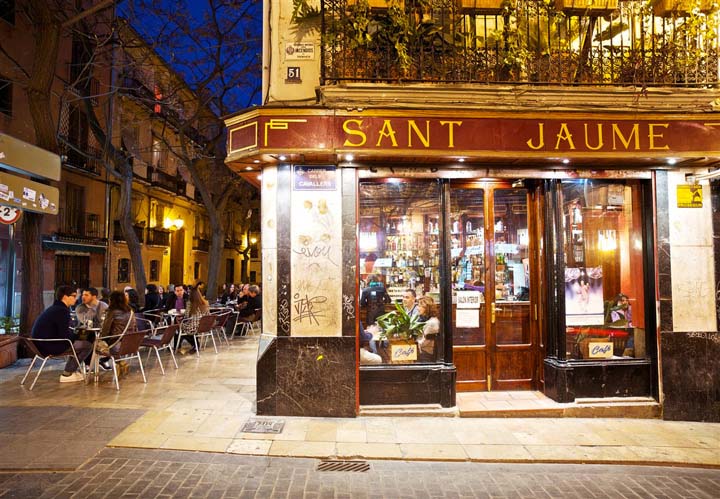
(354, 466)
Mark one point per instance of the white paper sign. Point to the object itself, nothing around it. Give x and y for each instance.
(468, 299)
(403, 353)
(467, 318)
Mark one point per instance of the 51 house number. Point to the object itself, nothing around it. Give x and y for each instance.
(293, 75)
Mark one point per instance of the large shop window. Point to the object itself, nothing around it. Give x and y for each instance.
(604, 279)
(399, 270)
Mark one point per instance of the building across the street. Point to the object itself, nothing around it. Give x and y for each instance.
(543, 172)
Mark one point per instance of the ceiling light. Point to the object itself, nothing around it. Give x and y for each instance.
(566, 161)
(462, 160)
(248, 167)
(671, 161)
(256, 161)
(349, 157)
(282, 157)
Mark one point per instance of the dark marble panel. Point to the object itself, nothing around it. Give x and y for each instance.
(715, 206)
(349, 251)
(666, 314)
(284, 192)
(559, 384)
(266, 386)
(409, 384)
(613, 379)
(691, 370)
(315, 377)
(663, 250)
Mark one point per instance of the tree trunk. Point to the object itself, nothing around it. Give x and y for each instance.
(45, 51)
(31, 304)
(215, 258)
(126, 221)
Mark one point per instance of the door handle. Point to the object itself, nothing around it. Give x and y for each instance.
(492, 313)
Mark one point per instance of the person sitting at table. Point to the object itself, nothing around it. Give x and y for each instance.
(133, 299)
(253, 301)
(119, 319)
(229, 294)
(366, 355)
(410, 302)
(620, 311)
(427, 343)
(152, 298)
(91, 311)
(54, 323)
(197, 307)
(178, 300)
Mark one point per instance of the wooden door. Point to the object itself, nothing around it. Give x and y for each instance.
(494, 334)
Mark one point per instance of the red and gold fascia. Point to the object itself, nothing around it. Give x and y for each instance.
(262, 134)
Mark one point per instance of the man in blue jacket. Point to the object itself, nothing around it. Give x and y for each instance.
(54, 323)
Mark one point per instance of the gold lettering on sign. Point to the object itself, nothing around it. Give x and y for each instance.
(652, 136)
(425, 139)
(386, 131)
(617, 133)
(352, 131)
(564, 134)
(541, 138)
(600, 138)
(451, 124)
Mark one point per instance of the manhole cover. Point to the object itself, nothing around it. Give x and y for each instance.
(263, 426)
(356, 466)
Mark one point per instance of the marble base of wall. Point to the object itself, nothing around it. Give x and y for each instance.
(313, 377)
(565, 381)
(408, 384)
(691, 376)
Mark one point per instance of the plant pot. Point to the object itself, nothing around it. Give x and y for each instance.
(403, 351)
(668, 8)
(586, 7)
(8, 350)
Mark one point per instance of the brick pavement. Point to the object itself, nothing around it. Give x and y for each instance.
(161, 473)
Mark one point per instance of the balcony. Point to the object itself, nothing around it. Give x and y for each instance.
(78, 226)
(605, 42)
(118, 234)
(201, 244)
(81, 83)
(171, 183)
(88, 160)
(158, 237)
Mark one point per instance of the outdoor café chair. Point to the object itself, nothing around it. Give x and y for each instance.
(247, 324)
(205, 326)
(220, 324)
(125, 347)
(32, 344)
(161, 340)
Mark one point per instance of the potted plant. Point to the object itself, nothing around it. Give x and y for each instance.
(399, 326)
(9, 340)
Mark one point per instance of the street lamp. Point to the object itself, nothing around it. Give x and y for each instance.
(171, 224)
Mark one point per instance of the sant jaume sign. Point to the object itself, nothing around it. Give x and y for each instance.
(393, 131)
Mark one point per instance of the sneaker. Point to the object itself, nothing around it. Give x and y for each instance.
(73, 378)
(105, 365)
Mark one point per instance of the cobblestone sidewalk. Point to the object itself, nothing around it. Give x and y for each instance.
(157, 473)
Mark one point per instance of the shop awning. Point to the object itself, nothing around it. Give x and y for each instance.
(76, 247)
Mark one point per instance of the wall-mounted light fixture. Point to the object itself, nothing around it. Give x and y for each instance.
(171, 224)
(253, 240)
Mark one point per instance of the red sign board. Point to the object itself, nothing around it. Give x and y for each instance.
(346, 132)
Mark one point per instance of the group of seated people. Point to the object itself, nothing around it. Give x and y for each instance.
(424, 308)
(116, 315)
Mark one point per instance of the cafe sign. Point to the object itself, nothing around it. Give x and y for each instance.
(390, 130)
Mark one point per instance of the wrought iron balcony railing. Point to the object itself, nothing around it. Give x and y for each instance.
(88, 160)
(118, 234)
(598, 42)
(201, 244)
(158, 237)
(172, 183)
(79, 225)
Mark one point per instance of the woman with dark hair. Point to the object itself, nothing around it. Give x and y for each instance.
(105, 295)
(152, 298)
(198, 307)
(119, 319)
(133, 299)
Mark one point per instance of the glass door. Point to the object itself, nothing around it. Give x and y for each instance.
(493, 336)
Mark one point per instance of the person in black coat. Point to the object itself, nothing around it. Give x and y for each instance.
(178, 300)
(54, 323)
(374, 297)
(152, 298)
(253, 301)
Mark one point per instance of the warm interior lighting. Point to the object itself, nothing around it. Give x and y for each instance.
(368, 241)
(171, 224)
(607, 240)
(253, 240)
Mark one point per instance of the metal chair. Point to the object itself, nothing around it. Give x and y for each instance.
(247, 324)
(32, 345)
(205, 325)
(161, 340)
(221, 322)
(125, 347)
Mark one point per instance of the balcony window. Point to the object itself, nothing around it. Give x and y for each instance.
(7, 11)
(124, 270)
(6, 88)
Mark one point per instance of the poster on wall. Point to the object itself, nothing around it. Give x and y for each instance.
(584, 296)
